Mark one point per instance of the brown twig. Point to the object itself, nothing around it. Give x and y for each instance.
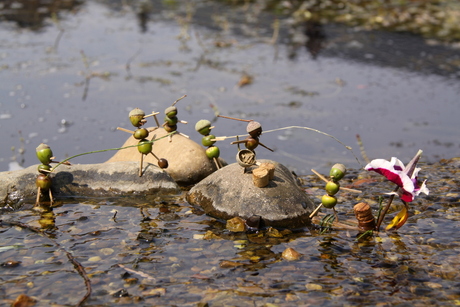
(234, 118)
(77, 265)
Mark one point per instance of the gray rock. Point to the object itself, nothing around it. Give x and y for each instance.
(188, 163)
(81, 180)
(228, 193)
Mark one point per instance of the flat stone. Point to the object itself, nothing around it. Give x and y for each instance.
(188, 163)
(82, 180)
(229, 193)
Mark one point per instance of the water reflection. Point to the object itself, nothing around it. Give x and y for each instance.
(34, 14)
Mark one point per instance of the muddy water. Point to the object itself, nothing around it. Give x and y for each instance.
(395, 90)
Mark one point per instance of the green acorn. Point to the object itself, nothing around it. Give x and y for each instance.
(171, 111)
(213, 152)
(332, 187)
(337, 171)
(206, 140)
(44, 153)
(136, 116)
(251, 143)
(171, 121)
(141, 133)
(145, 146)
(329, 201)
(44, 168)
(203, 126)
(170, 128)
(43, 182)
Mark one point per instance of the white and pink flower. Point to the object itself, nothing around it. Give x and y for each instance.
(403, 176)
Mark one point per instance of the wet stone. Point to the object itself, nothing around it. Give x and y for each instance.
(229, 193)
(82, 180)
(187, 160)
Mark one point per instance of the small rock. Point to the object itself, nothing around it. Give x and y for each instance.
(291, 254)
(236, 224)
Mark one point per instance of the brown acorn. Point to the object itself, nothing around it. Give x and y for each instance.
(254, 129)
(43, 182)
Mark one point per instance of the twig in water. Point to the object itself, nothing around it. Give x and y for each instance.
(142, 274)
(361, 148)
(77, 265)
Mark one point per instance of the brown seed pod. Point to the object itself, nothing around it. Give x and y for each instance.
(363, 213)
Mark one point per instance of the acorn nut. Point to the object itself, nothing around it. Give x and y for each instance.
(163, 163)
(254, 129)
(203, 126)
(337, 171)
(136, 116)
(329, 201)
(44, 153)
(206, 140)
(332, 187)
(171, 111)
(145, 146)
(141, 133)
(43, 182)
(213, 152)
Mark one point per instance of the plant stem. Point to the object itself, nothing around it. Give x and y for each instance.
(104, 150)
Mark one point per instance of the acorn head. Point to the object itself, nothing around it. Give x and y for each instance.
(171, 111)
(136, 116)
(203, 126)
(254, 129)
(44, 153)
(337, 171)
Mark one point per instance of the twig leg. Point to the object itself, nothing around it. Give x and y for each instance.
(51, 196)
(141, 165)
(37, 200)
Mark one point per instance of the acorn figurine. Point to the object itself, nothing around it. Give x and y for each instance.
(171, 120)
(43, 180)
(254, 129)
(137, 118)
(329, 200)
(212, 152)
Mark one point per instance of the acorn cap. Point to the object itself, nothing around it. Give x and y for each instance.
(201, 124)
(136, 116)
(170, 109)
(253, 126)
(42, 146)
(137, 112)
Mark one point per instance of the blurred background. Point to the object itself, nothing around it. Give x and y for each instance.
(388, 71)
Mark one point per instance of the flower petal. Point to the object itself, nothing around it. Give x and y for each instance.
(399, 220)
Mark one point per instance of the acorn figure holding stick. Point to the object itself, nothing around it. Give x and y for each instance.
(254, 129)
(43, 181)
(137, 119)
(171, 119)
(212, 152)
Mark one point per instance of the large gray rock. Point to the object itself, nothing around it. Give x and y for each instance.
(188, 163)
(229, 192)
(80, 180)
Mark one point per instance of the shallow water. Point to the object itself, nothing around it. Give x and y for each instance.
(172, 254)
(395, 90)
